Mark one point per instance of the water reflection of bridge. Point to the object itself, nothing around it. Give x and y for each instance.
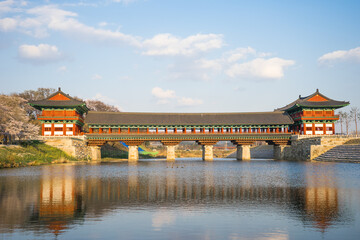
(66, 194)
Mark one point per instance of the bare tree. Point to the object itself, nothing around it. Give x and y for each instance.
(96, 105)
(33, 95)
(341, 120)
(347, 119)
(354, 112)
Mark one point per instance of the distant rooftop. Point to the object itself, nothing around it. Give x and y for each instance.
(128, 118)
(58, 99)
(315, 100)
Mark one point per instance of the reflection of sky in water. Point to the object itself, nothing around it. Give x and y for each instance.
(182, 199)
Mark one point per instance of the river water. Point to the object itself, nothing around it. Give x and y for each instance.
(185, 199)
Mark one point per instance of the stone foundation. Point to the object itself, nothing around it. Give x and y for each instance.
(208, 154)
(279, 152)
(307, 149)
(133, 153)
(74, 147)
(95, 153)
(170, 153)
(243, 152)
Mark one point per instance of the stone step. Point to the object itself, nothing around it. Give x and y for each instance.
(341, 153)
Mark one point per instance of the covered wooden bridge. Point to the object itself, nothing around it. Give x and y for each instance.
(242, 129)
(62, 115)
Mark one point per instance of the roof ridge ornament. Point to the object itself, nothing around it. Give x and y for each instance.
(59, 89)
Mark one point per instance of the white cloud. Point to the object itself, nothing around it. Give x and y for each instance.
(62, 69)
(124, 1)
(7, 6)
(80, 4)
(162, 95)
(7, 24)
(39, 21)
(272, 68)
(239, 53)
(102, 24)
(169, 45)
(352, 54)
(40, 54)
(96, 77)
(107, 100)
(209, 64)
(185, 101)
(50, 17)
(194, 69)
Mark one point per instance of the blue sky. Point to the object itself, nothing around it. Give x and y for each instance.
(183, 56)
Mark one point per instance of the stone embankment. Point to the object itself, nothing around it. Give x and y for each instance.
(75, 147)
(258, 152)
(310, 148)
(342, 153)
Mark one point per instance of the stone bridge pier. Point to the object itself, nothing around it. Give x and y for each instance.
(207, 150)
(95, 152)
(133, 154)
(170, 149)
(243, 149)
(279, 146)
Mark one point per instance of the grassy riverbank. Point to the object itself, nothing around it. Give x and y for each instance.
(31, 153)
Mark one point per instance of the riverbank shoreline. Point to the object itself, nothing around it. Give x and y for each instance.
(32, 153)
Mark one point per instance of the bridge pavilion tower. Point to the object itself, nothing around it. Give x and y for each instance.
(61, 115)
(314, 114)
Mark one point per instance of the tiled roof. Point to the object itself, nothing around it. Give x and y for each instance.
(304, 102)
(187, 119)
(56, 103)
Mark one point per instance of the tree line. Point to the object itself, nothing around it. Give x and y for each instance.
(347, 118)
(19, 120)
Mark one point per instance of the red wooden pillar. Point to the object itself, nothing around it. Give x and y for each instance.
(147, 130)
(110, 130)
(277, 130)
(286, 129)
(184, 130)
(100, 130)
(222, 130)
(175, 130)
(128, 130)
(268, 130)
(52, 129)
(43, 129)
(64, 129)
(231, 130)
(259, 130)
(75, 128)
(313, 128)
(203, 130)
(212, 130)
(119, 130)
(138, 130)
(91, 130)
(324, 128)
(157, 130)
(166, 130)
(240, 130)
